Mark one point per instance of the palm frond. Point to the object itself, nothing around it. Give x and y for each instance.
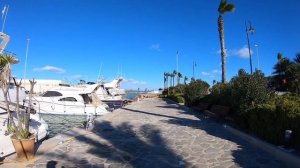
(6, 58)
(297, 58)
(229, 7)
(225, 7)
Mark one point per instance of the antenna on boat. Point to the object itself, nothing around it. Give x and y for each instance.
(25, 66)
(4, 14)
(99, 71)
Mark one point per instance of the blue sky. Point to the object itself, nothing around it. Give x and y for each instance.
(77, 39)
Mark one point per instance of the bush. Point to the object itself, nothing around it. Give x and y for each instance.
(248, 91)
(165, 92)
(178, 98)
(221, 94)
(194, 91)
(271, 119)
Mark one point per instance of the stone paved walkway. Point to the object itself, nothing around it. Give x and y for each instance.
(156, 133)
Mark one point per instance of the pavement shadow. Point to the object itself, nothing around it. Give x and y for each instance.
(246, 155)
(142, 147)
(117, 146)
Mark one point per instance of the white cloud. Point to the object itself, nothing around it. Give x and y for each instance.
(76, 77)
(50, 69)
(211, 73)
(155, 47)
(241, 52)
(134, 82)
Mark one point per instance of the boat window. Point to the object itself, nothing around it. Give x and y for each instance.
(51, 94)
(68, 99)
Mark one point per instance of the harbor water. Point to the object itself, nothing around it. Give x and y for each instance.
(58, 124)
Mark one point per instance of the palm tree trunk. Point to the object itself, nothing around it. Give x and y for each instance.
(223, 49)
(173, 80)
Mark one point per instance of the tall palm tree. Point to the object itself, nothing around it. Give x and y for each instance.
(223, 8)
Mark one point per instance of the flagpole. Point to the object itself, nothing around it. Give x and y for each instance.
(5, 14)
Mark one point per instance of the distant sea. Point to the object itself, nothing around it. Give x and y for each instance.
(131, 96)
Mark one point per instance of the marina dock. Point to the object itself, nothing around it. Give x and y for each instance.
(150, 133)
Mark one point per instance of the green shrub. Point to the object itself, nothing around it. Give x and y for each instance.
(178, 98)
(271, 119)
(221, 94)
(194, 91)
(165, 92)
(248, 91)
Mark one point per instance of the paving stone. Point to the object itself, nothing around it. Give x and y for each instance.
(156, 133)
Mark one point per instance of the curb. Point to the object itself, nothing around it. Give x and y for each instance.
(289, 159)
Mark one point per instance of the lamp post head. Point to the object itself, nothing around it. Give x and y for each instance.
(251, 29)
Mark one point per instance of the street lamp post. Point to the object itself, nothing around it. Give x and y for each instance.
(177, 53)
(251, 30)
(256, 46)
(194, 65)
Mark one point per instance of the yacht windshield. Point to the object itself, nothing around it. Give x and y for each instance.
(51, 94)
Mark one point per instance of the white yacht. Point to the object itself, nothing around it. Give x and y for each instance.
(111, 95)
(114, 87)
(67, 100)
(114, 101)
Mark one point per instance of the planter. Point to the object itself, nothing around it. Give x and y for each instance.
(25, 148)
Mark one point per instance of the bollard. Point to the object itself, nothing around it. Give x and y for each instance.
(287, 138)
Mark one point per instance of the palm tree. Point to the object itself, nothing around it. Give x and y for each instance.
(282, 75)
(297, 59)
(174, 74)
(223, 8)
(185, 79)
(294, 75)
(5, 76)
(179, 76)
(165, 80)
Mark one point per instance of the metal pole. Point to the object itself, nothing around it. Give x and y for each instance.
(256, 46)
(5, 14)
(177, 66)
(25, 67)
(249, 47)
(194, 69)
